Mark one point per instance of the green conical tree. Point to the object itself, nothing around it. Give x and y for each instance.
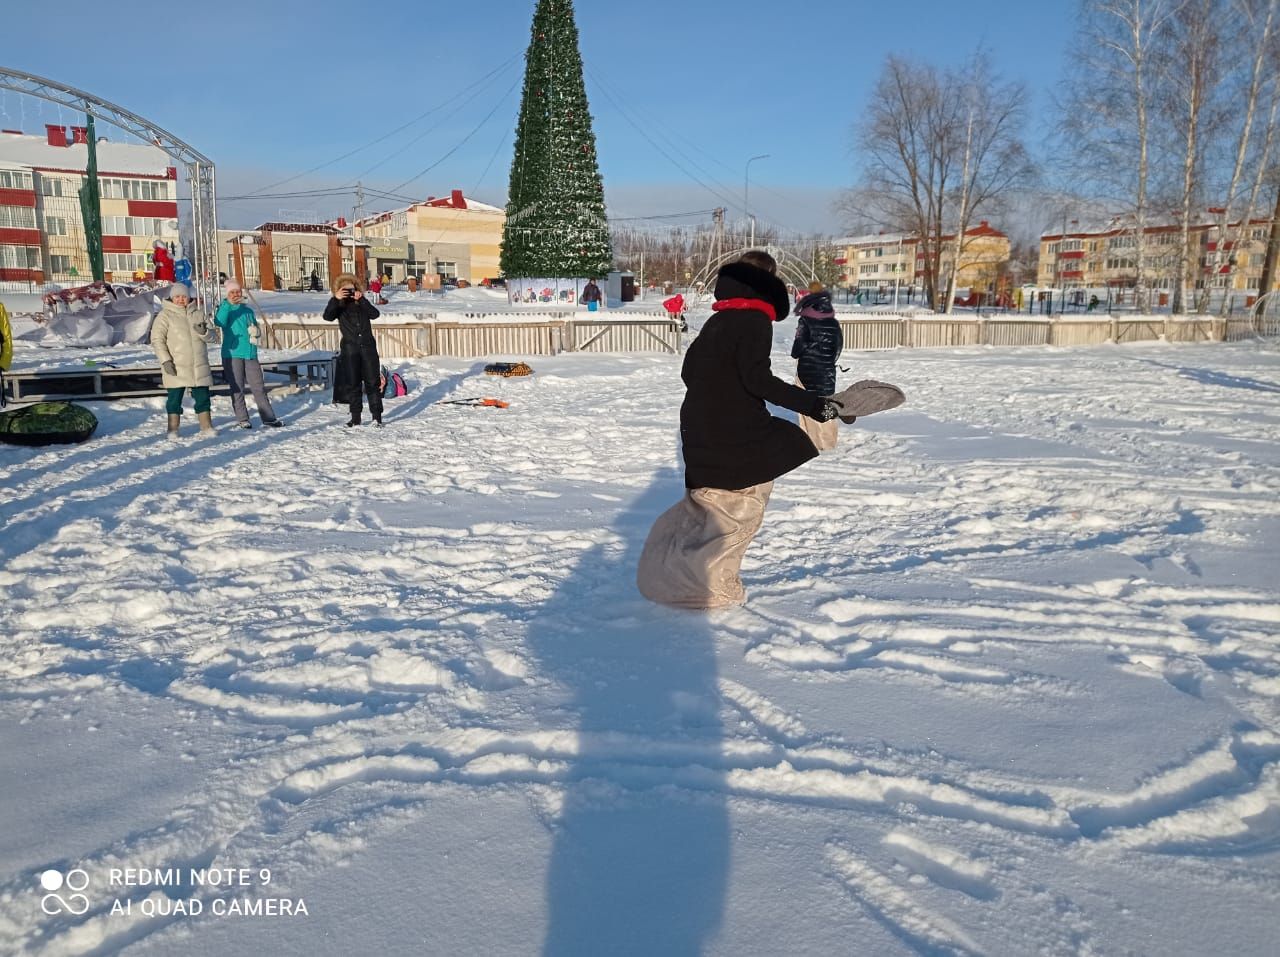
(555, 225)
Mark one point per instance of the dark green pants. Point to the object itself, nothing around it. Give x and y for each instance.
(173, 402)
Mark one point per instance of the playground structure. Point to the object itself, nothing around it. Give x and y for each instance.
(198, 168)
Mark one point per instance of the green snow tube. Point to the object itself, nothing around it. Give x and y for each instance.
(47, 423)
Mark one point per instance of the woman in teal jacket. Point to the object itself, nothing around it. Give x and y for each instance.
(240, 366)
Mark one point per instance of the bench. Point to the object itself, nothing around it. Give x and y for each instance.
(141, 381)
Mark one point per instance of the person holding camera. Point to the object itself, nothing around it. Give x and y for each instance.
(180, 337)
(358, 352)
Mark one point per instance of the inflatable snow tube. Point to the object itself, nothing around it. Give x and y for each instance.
(47, 423)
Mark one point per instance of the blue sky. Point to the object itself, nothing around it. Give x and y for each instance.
(681, 92)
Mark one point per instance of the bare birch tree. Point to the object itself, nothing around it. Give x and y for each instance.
(940, 149)
(1108, 112)
(1190, 75)
(1258, 89)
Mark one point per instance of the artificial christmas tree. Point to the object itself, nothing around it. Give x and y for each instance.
(555, 226)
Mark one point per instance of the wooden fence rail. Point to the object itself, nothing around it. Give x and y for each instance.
(420, 336)
(889, 332)
(552, 333)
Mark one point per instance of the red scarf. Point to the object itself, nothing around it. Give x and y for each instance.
(758, 304)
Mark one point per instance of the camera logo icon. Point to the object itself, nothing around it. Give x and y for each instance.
(53, 881)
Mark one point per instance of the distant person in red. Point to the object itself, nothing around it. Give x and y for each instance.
(163, 262)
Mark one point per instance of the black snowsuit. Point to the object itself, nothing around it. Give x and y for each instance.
(358, 353)
(818, 344)
(730, 440)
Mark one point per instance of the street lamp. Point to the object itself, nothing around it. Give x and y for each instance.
(746, 193)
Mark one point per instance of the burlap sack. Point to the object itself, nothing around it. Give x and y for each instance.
(823, 435)
(694, 550)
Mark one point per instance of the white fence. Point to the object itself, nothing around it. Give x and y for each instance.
(891, 332)
(420, 336)
(425, 335)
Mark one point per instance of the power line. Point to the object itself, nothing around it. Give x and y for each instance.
(675, 147)
(692, 212)
(461, 143)
(431, 129)
(398, 129)
(622, 111)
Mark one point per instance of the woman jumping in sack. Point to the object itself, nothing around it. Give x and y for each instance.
(180, 337)
(733, 448)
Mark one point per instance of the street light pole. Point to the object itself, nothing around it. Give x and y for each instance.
(746, 193)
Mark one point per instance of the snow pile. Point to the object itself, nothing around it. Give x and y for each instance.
(1007, 681)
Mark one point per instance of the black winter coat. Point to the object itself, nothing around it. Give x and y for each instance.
(729, 438)
(818, 344)
(354, 317)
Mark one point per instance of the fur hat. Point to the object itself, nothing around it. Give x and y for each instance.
(179, 289)
(816, 305)
(743, 280)
(345, 278)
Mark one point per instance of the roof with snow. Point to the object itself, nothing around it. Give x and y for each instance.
(874, 239)
(983, 228)
(37, 152)
(455, 200)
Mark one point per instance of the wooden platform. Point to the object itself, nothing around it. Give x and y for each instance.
(140, 381)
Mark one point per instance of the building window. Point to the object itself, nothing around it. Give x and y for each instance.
(17, 217)
(19, 257)
(55, 225)
(124, 262)
(317, 265)
(14, 179)
(447, 270)
(283, 268)
(50, 187)
(149, 189)
(59, 264)
(132, 225)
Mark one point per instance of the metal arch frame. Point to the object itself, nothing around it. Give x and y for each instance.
(199, 168)
(789, 267)
(1258, 319)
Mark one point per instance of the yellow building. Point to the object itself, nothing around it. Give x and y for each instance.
(877, 261)
(456, 237)
(982, 254)
(1106, 255)
(880, 261)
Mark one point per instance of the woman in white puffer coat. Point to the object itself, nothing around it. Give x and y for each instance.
(180, 337)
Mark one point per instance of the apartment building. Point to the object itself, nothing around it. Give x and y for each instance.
(880, 261)
(41, 225)
(1105, 254)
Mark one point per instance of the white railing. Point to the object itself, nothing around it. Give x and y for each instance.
(418, 336)
(890, 332)
(425, 335)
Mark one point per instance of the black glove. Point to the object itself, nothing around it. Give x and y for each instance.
(169, 368)
(827, 411)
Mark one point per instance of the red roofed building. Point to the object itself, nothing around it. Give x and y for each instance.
(41, 226)
(450, 236)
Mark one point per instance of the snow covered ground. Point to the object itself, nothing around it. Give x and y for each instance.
(1007, 682)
